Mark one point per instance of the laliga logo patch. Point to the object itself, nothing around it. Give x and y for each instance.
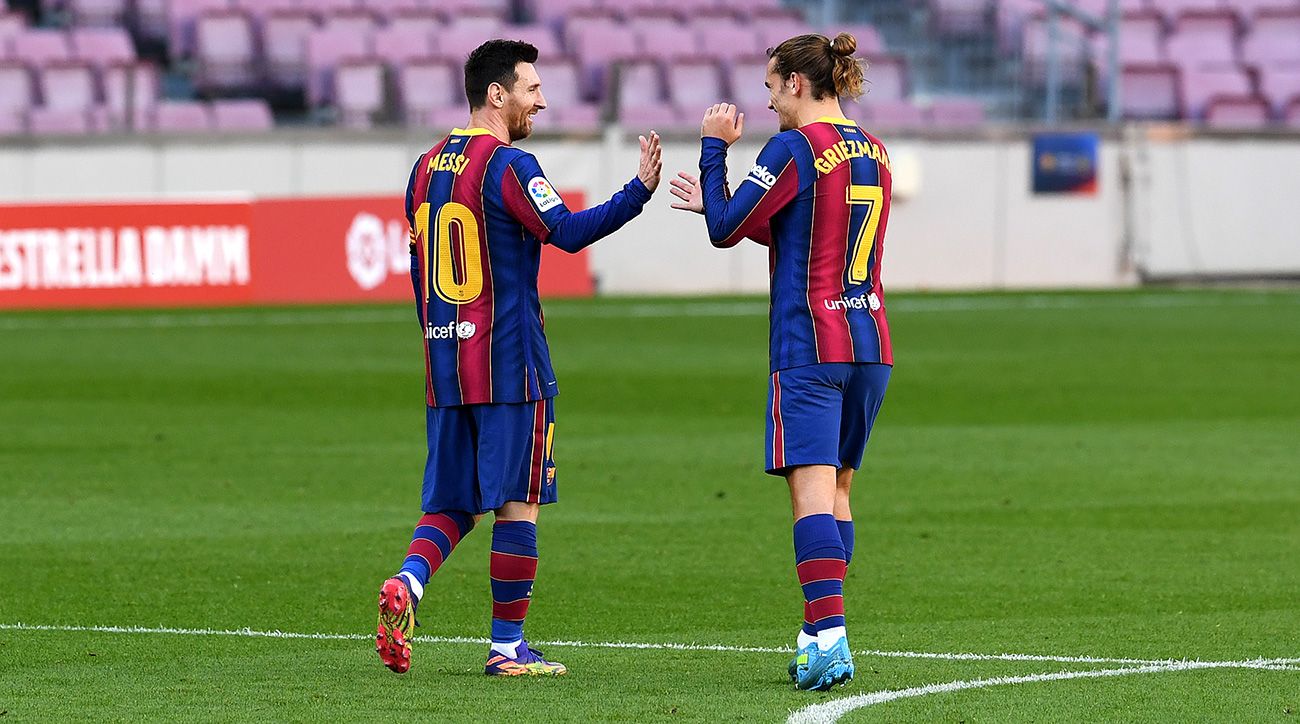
(543, 195)
(367, 249)
(761, 176)
(465, 330)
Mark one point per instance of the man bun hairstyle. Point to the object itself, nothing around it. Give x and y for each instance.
(494, 62)
(828, 64)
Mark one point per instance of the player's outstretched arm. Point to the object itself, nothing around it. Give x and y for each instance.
(770, 184)
(531, 199)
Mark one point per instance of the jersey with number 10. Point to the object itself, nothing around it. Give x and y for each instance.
(480, 210)
(819, 196)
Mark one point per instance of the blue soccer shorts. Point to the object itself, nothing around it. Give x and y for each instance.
(822, 414)
(483, 456)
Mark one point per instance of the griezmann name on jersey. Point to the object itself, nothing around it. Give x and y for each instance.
(819, 197)
(480, 210)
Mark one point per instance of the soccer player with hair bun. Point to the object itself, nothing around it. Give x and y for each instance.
(818, 197)
(479, 211)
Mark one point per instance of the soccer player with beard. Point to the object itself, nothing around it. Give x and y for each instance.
(818, 196)
(480, 210)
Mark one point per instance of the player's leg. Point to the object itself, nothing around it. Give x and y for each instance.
(517, 477)
(448, 499)
(803, 436)
(863, 396)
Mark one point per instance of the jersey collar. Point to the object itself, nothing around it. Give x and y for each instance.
(470, 131)
(838, 121)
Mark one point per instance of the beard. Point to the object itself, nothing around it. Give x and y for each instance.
(520, 127)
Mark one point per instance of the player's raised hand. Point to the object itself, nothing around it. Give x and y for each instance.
(652, 163)
(722, 121)
(687, 188)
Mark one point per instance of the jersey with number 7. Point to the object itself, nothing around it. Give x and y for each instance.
(480, 210)
(819, 197)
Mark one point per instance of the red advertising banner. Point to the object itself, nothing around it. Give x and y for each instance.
(219, 253)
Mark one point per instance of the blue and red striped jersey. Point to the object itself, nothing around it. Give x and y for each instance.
(818, 196)
(480, 210)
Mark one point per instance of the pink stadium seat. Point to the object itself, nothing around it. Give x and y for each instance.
(102, 47)
(1279, 85)
(1203, 40)
(554, 12)
(17, 94)
(956, 113)
(67, 86)
(398, 44)
(892, 114)
(130, 91)
(225, 51)
(1200, 85)
(45, 121)
(260, 10)
(243, 115)
(541, 36)
(182, 17)
(97, 13)
(180, 117)
(41, 47)
(958, 17)
(325, 50)
(769, 10)
(284, 46)
(773, 32)
(1248, 10)
(1071, 45)
(425, 86)
(886, 79)
(640, 84)
(562, 88)
(460, 38)
(598, 44)
(1247, 111)
(746, 85)
(388, 10)
(694, 86)
(426, 19)
(1171, 9)
(11, 24)
(1150, 91)
(663, 37)
(725, 39)
(358, 21)
(325, 8)
(1273, 40)
(359, 92)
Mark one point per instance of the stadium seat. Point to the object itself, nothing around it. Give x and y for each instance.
(554, 12)
(692, 86)
(67, 85)
(388, 10)
(359, 92)
(460, 38)
(541, 36)
(326, 48)
(1273, 39)
(45, 121)
(745, 83)
(41, 47)
(102, 47)
(242, 115)
(11, 24)
(956, 113)
(958, 17)
(772, 32)
(724, 39)
(325, 8)
(890, 114)
(179, 117)
(260, 10)
(425, 18)
(886, 79)
(663, 37)
(150, 19)
(1238, 112)
(130, 91)
(1279, 85)
(284, 47)
(17, 94)
(1071, 48)
(1203, 40)
(358, 21)
(182, 18)
(1291, 116)
(426, 86)
(96, 13)
(641, 89)
(1150, 91)
(598, 44)
(225, 52)
(1248, 10)
(566, 110)
(1200, 85)
(1172, 9)
(399, 44)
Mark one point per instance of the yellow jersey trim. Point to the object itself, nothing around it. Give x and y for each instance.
(470, 131)
(831, 119)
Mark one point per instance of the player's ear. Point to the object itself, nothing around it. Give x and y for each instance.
(496, 95)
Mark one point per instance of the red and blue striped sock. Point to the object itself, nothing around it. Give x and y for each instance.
(820, 561)
(846, 539)
(435, 537)
(513, 567)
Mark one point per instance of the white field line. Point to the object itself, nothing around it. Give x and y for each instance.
(258, 318)
(832, 710)
(1276, 663)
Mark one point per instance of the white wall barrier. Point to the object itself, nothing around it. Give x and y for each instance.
(964, 215)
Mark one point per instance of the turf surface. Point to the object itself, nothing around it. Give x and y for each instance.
(1116, 475)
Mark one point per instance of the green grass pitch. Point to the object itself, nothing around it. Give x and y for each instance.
(1103, 474)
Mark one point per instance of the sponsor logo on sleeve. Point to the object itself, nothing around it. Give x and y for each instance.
(761, 176)
(543, 195)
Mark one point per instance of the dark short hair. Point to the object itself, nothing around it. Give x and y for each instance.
(494, 62)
